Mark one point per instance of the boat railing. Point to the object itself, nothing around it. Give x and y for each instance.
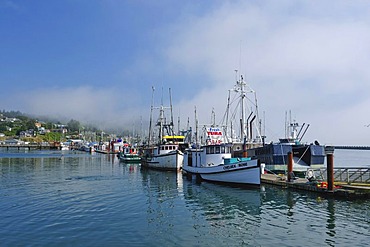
(346, 174)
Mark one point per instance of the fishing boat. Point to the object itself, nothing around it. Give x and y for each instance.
(222, 157)
(165, 156)
(129, 154)
(242, 124)
(305, 155)
(249, 140)
(167, 152)
(214, 163)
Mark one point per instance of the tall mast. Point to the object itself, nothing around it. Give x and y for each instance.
(151, 116)
(227, 119)
(196, 126)
(171, 123)
(213, 117)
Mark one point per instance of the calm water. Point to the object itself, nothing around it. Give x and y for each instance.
(79, 199)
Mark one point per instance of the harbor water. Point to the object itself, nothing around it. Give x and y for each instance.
(67, 198)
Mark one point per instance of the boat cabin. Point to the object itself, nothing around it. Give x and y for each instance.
(208, 155)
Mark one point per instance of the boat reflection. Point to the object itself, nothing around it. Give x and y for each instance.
(162, 181)
(223, 202)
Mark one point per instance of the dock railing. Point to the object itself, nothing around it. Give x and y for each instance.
(346, 174)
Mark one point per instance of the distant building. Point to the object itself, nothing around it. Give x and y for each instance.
(11, 120)
(13, 142)
(27, 133)
(63, 131)
(41, 130)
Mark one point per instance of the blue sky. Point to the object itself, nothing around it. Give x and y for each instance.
(96, 61)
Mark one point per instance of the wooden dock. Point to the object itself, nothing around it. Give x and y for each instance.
(341, 190)
(29, 146)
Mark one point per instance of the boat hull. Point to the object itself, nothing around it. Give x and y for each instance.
(130, 159)
(275, 156)
(171, 161)
(245, 173)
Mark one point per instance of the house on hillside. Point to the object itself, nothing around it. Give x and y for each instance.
(27, 133)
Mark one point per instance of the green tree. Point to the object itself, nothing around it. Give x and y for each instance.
(73, 125)
(52, 136)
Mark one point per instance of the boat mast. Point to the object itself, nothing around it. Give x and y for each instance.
(213, 117)
(161, 119)
(196, 126)
(239, 88)
(151, 116)
(171, 123)
(227, 119)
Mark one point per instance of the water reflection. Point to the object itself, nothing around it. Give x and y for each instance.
(163, 192)
(137, 206)
(330, 222)
(224, 200)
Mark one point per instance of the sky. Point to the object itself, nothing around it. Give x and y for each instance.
(97, 61)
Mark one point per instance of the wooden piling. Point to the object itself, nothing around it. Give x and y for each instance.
(290, 167)
(330, 170)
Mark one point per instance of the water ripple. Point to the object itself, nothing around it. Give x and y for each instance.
(96, 201)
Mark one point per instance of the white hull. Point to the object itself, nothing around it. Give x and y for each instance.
(169, 161)
(237, 173)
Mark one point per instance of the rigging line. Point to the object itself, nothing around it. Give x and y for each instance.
(281, 147)
(303, 153)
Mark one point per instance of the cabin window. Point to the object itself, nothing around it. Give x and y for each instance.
(217, 150)
(222, 149)
(210, 150)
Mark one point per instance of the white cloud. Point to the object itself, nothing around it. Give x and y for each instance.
(311, 62)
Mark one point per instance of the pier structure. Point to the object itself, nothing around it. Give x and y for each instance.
(30, 146)
(341, 182)
(352, 147)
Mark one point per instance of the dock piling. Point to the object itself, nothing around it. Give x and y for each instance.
(330, 170)
(290, 176)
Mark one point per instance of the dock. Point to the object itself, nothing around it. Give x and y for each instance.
(30, 146)
(341, 182)
(352, 147)
(341, 189)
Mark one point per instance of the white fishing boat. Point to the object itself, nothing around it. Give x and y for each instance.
(167, 153)
(222, 158)
(214, 163)
(165, 157)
